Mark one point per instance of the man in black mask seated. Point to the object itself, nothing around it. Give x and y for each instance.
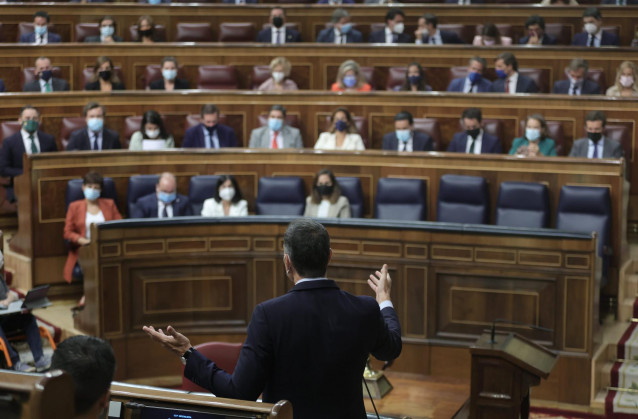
(209, 133)
(45, 82)
(474, 140)
(278, 33)
(596, 145)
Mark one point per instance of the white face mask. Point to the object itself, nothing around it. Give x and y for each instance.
(152, 133)
(227, 194)
(278, 76)
(626, 81)
(489, 42)
(591, 28)
(398, 28)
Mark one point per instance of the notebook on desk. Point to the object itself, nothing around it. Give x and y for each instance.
(35, 298)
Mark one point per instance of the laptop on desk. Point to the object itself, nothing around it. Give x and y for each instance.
(36, 298)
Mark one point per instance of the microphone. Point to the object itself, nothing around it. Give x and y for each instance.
(517, 323)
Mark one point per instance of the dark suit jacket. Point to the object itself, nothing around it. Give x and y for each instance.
(457, 85)
(473, 1)
(328, 36)
(588, 88)
(233, 1)
(310, 347)
(96, 38)
(265, 35)
(420, 141)
(627, 2)
(180, 84)
(342, 1)
(547, 40)
(12, 151)
(79, 140)
(607, 38)
(146, 207)
(447, 37)
(29, 38)
(194, 137)
(523, 85)
(95, 85)
(489, 144)
(378, 37)
(58, 85)
(611, 149)
(2, 88)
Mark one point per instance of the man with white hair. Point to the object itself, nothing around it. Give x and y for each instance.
(165, 202)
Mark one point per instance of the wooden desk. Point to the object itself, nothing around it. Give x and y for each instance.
(36, 396)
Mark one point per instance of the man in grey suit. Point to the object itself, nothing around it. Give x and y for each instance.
(45, 82)
(276, 134)
(596, 146)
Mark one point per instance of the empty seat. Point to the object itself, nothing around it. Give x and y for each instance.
(159, 33)
(368, 74)
(621, 132)
(281, 196)
(465, 32)
(217, 77)
(236, 32)
(400, 199)
(194, 32)
(70, 124)
(139, 186)
(396, 78)
(260, 74)
(540, 77)
(74, 191)
(351, 189)
(154, 72)
(429, 126)
(8, 128)
(598, 75)
(463, 199)
(523, 204)
(225, 356)
(562, 33)
(83, 30)
(200, 189)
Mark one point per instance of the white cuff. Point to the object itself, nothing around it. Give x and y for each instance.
(385, 304)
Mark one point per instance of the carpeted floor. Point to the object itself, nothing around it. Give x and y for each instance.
(551, 413)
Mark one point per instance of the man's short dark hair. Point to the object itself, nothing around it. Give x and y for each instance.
(472, 113)
(578, 63)
(431, 19)
(209, 109)
(280, 108)
(596, 116)
(339, 14)
(42, 13)
(479, 60)
(509, 59)
(592, 12)
(307, 243)
(404, 116)
(535, 20)
(90, 361)
(392, 13)
(279, 8)
(93, 105)
(25, 107)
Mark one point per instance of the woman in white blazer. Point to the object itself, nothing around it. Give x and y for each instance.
(326, 200)
(343, 133)
(227, 200)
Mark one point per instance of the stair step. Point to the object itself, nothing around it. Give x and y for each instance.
(626, 309)
(599, 399)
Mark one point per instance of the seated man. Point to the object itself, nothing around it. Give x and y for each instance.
(45, 82)
(341, 31)
(95, 137)
(276, 134)
(335, 2)
(24, 322)
(278, 33)
(474, 81)
(596, 146)
(405, 138)
(393, 31)
(594, 36)
(509, 80)
(165, 202)
(474, 140)
(428, 33)
(239, 1)
(40, 34)
(535, 27)
(577, 83)
(90, 362)
(209, 133)
(107, 32)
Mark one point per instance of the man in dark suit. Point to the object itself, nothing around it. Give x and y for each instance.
(41, 34)
(535, 26)
(596, 146)
(577, 83)
(45, 82)
(428, 33)
(95, 137)
(594, 36)
(107, 32)
(210, 133)
(277, 33)
(474, 140)
(341, 31)
(312, 341)
(405, 138)
(393, 31)
(165, 202)
(474, 81)
(509, 80)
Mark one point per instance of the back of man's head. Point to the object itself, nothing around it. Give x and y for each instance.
(307, 243)
(91, 363)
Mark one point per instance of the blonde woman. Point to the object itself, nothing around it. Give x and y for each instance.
(350, 79)
(279, 73)
(343, 133)
(625, 81)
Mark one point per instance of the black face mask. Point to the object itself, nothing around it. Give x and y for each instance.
(147, 33)
(473, 132)
(594, 136)
(105, 75)
(211, 130)
(278, 21)
(325, 190)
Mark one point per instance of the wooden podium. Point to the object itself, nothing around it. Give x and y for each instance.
(502, 373)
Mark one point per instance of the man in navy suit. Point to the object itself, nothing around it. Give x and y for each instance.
(164, 203)
(341, 31)
(405, 138)
(393, 31)
(474, 140)
(509, 80)
(44, 81)
(278, 33)
(474, 81)
(41, 34)
(535, 26)
(209, 133)
(594, 36)
(308, 346)
(95, 137)
(577, 83)
(428, 33)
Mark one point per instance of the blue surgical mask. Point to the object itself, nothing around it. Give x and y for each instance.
(475, 77)
(107, 31)
(166, 197)
(532, 134)
(501, 74)
(349, 81)
(91, 194)
(345, 28)
(95, 124)
(40, 30)
(154, 1)
(414, 79)
(403, 135)
(275, 124)
(341, 125)
(169, 74)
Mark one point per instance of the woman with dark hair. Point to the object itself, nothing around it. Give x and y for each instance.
(104, 78)
(535, 142)
(152, 134)
(343, 134)
(227, 201)
(415, 80)
(490, 35)
(326, 200)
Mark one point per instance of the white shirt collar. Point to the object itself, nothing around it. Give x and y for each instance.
(310, 279)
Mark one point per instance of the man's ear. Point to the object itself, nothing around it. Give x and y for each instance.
(330, 256)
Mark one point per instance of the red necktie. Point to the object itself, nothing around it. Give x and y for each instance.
(507, 85)
(273, 144)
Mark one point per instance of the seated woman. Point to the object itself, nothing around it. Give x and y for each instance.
(343, 133)
(489, 36)
(326, 200)
(104, 78)
(152, 134)
(228, 200)
(107, 32)
(535, 142)
(81, 214)
(169, 80)
(625, 81)
(146, 30)
(350, 78)
(279, 81)
(415, 80)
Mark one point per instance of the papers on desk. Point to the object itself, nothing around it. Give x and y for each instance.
(153, 144)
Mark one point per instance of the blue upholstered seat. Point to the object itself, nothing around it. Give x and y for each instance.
(463, 199)
(139, 186)
(281, 196)
(351, 189)
(200, 189)
(523, 204)
(401, 199)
